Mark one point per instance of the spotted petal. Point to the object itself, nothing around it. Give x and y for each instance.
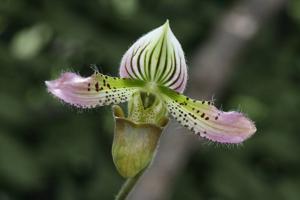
(96, 90)
(205, 120)
(156, 57)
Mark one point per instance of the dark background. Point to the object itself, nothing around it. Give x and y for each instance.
(49, 150)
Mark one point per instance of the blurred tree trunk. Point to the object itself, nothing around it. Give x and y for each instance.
(213, 64)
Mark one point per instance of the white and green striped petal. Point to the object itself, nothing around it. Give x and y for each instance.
(156, 57)
(205, 120)
(96, 90)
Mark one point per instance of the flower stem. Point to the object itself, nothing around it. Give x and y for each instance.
(128, 186)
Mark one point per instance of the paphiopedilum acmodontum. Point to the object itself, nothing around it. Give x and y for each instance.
(153, 76)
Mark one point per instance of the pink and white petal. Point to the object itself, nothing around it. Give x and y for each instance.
(205, 120)
(88, 92)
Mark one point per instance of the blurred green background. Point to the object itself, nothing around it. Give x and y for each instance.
(49, 150)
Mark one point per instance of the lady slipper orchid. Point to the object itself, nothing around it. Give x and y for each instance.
(153, 76)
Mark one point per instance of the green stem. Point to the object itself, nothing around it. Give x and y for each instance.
(128, 186)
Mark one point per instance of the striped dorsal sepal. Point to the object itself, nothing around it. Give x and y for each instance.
(156, 57)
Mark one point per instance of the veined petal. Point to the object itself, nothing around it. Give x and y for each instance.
(156, 57)
(96, 90)
(204, 119)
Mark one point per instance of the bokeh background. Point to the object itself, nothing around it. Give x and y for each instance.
(49, 150)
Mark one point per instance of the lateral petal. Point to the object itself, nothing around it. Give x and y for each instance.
(205, 120)
(96, 90)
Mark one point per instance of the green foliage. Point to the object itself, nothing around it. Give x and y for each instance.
(51, 151)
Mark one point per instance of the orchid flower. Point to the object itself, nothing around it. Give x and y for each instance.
(153, 76)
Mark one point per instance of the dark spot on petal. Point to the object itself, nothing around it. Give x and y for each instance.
(97, 86)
